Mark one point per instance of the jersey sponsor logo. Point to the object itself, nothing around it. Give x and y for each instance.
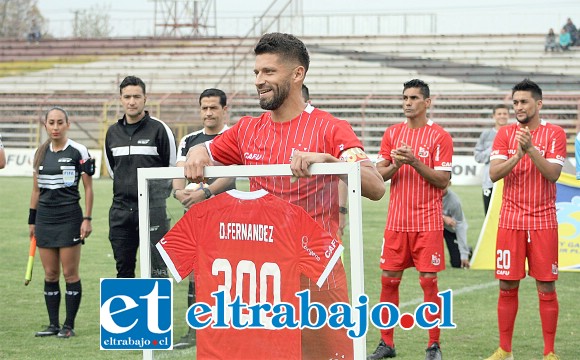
(283, 315)
(143, 141)
(560, 158)
(309, 250)
(446, 164)
(252, 232)
(136, 314)
(65, 160)
(331, 248)
(251, 156)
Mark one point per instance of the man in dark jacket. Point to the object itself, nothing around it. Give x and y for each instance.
(137, 141)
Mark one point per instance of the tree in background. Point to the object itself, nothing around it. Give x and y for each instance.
(16, 18)
(92, 23)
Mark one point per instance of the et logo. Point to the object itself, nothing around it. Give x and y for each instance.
(136, 314)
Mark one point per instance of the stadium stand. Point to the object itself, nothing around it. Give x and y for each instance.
(358, 78)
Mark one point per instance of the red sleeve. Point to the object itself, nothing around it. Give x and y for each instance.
(500, 147)
(178, 247)
(386, 145)
(556, 151)
(319, 251)
(443, 157)
(225, 148)
(343, 138)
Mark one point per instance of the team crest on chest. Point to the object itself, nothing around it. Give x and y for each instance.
(423, 152)
(299, 147)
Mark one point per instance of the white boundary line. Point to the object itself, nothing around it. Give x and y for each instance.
(463, 290)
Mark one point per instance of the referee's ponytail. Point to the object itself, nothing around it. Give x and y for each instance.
(41, 152)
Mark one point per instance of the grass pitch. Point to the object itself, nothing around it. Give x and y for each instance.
(23, 312)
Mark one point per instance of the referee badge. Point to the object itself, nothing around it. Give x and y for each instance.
(68, 175)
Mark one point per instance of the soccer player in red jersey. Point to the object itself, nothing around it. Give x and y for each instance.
(529, 156)
(416, 156)
(296, 133)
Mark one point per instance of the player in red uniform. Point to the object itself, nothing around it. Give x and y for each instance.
(529, 156)
(256, 245)
(293, 132)
(416, 156)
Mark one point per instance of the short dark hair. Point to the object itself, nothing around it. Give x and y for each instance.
(416, 83)
(305, 93)
(528, 85)
(500, 106)
(132, 81)
(286, 46)
(214, 92)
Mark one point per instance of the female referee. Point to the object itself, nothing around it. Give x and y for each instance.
(56, 218)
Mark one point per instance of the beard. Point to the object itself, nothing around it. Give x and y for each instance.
(280, 95)
(525, 120)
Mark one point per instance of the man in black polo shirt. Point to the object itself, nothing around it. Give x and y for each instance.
(213, 110)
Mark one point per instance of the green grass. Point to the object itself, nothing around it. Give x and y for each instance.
(23, 311)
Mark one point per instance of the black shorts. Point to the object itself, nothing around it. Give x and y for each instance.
(58, 226)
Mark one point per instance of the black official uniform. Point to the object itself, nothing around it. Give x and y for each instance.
(195, 138)
(148, 143)
(59, 215)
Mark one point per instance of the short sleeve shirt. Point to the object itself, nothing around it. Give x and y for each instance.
(529, 199)
(415, 204)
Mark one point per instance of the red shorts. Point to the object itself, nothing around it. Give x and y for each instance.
(423, 250)
(540, 247)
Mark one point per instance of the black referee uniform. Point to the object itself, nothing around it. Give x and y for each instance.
(148, 143)
(59, 215)
(195, 138)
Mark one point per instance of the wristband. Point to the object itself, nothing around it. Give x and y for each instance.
(88, 218)
(343, 210)
(31, 216)
(207, 192)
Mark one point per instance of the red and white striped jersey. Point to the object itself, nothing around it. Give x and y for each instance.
(261, 141)
(415, 204)
(529, 199)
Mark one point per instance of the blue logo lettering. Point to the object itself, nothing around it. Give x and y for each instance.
(136, 314)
